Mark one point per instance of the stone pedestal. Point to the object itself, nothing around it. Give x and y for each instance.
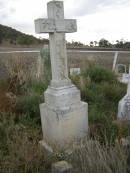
(64, 117)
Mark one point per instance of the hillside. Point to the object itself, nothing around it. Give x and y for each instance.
(10, 36)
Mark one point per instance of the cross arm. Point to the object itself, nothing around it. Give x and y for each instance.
(53, 25)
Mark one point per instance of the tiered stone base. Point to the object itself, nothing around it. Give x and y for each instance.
(64, 117)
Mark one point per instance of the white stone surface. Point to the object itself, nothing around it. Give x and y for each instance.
(64, 117)
(124, 108)
(124, 104)
(51, 25)
(57, 26)
(75, 71)
(65, 125)
(125, 78)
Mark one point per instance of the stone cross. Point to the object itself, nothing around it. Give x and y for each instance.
(57, 26)
(64, 116)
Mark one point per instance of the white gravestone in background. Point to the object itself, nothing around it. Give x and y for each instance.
(64, 117)
(75, 71)
(124, 104)
(123, 76)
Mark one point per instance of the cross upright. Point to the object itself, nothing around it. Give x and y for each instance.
(57, 26)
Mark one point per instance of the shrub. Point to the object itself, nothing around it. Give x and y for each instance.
(101, 125)
(113, 92)
(95, 115)
(37, 86)
(102, 98)
(29, 105)
(99, 74)
(29, 102)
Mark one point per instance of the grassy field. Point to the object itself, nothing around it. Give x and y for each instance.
(20, 125)
(77, 59)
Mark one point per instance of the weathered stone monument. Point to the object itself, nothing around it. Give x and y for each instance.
(64, 117)
(124, 104)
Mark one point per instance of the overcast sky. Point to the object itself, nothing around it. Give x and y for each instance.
(96, 19)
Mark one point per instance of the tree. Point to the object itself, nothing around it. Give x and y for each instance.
(104, 43)
(122, 44)
(127, 45)
(119, 44)
(25, 40)
(76, 44)
(95, 43)
(91, 43)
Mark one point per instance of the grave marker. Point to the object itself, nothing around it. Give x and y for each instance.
(64, 117)
(75, 71)
(124, 104)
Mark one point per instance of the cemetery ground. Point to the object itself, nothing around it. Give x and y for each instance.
(20, 128)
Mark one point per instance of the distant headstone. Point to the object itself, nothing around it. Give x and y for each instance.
(64, 116)
(124, 104)
(121, 68)
(123, 76)
(74, 71)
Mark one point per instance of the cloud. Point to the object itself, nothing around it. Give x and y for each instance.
(110, 24)
(1, 5)
(20, 14)
(84, 7)
(96, 18)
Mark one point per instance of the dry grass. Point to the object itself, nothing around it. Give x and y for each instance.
(75, 59)
(21, 70)
(92, 157)
(29, 63)
(80, 59)
(20, 151)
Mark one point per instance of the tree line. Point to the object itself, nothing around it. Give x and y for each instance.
(103, 43)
